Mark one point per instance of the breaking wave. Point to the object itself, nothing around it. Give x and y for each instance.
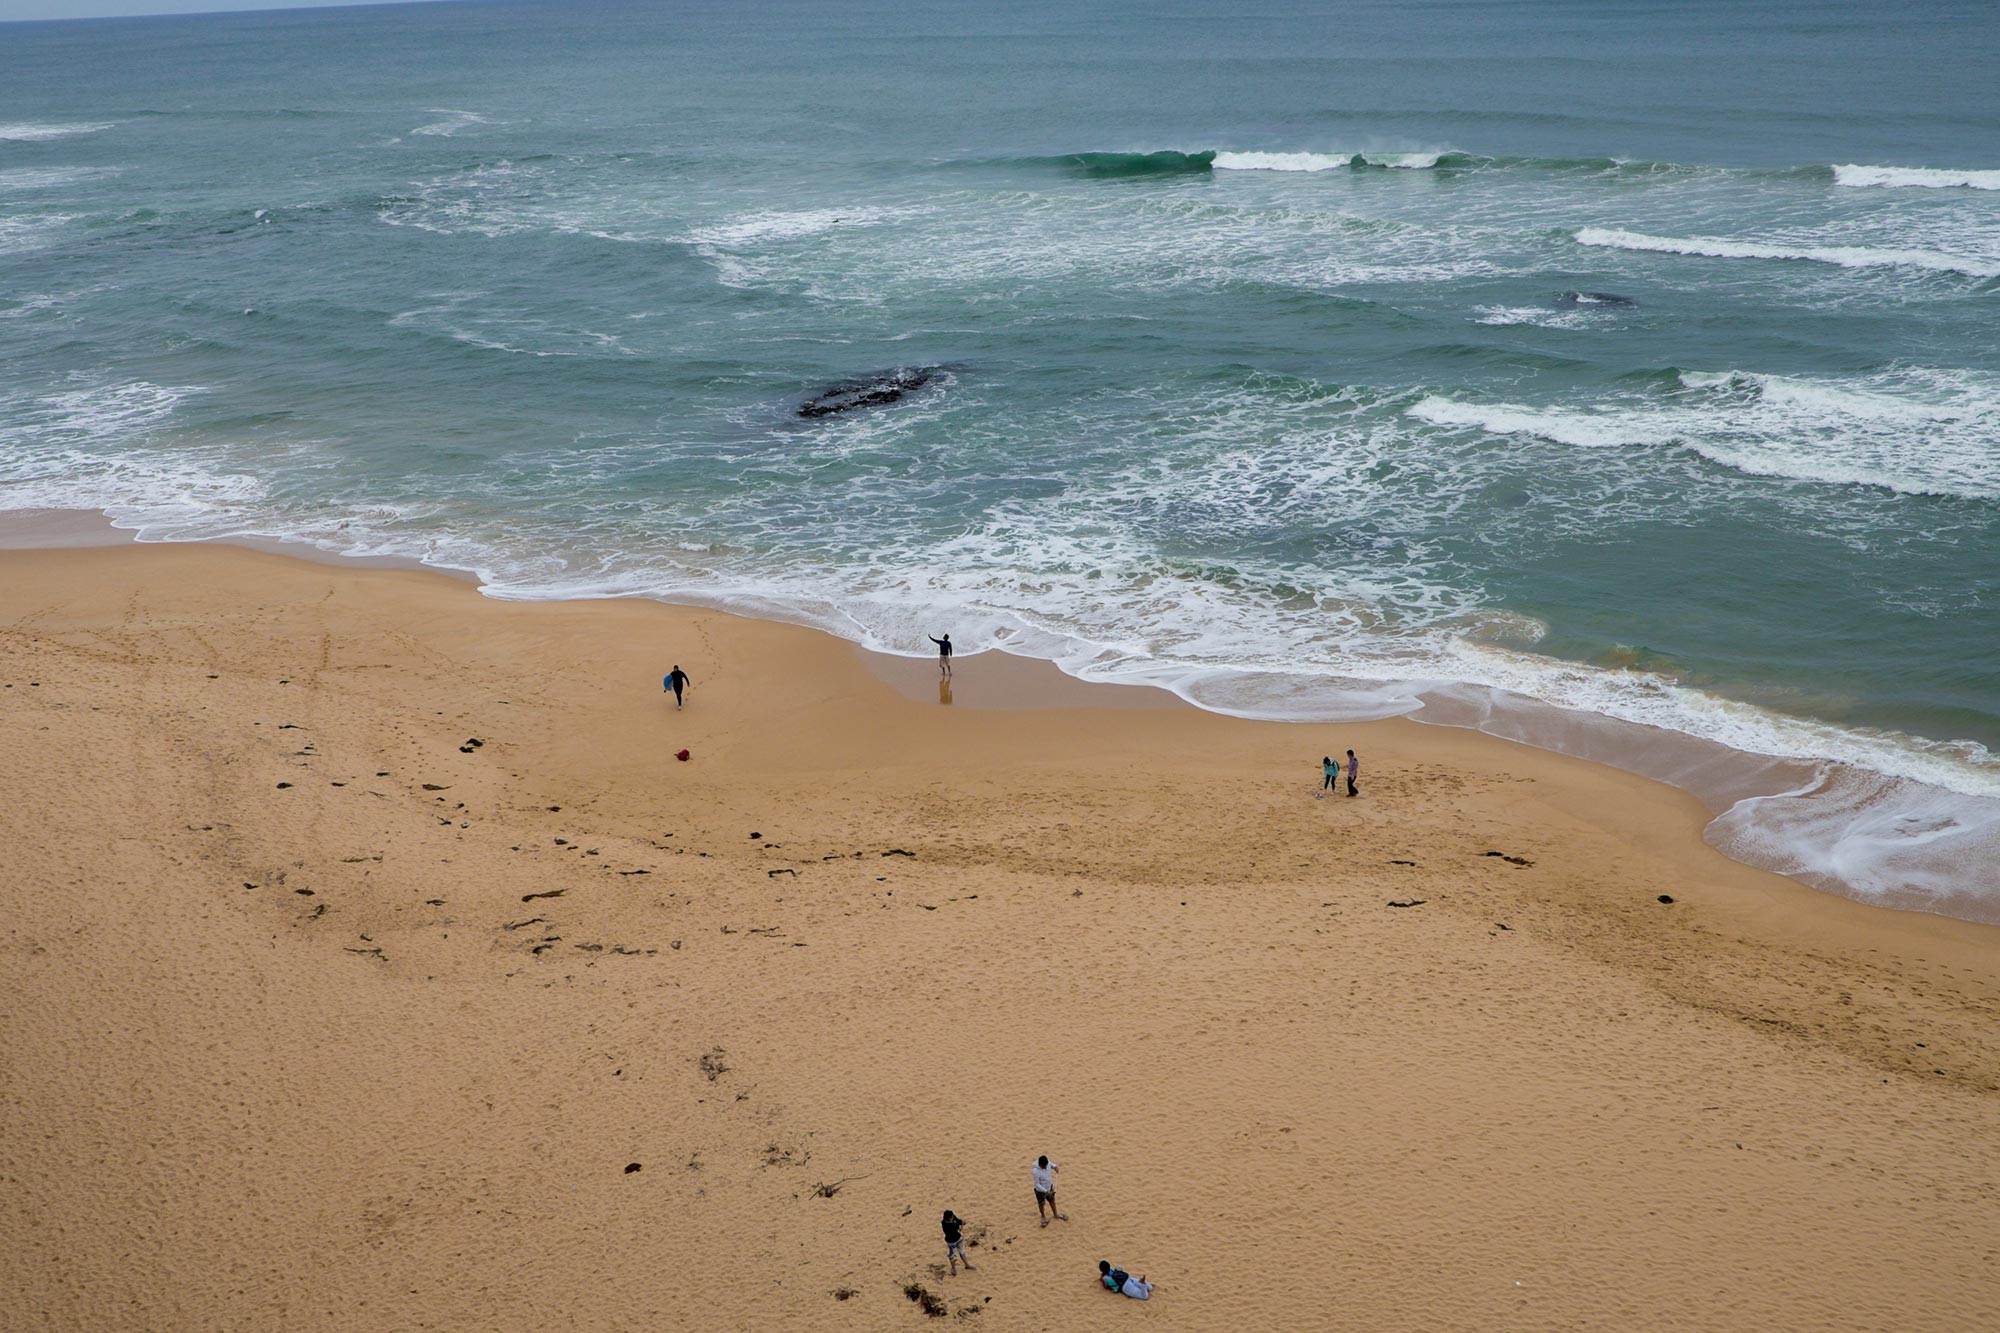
(1930, 178)
(1909, 432)
(1845, 256)
(40, 133)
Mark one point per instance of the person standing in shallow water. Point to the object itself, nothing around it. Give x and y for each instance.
(944, 653)
(1353, 773)
(677, 681)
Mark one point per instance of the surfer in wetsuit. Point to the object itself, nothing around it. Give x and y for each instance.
(677, 680)
(944, 653)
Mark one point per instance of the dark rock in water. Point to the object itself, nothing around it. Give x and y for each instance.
(875, 390)
(1567, 299)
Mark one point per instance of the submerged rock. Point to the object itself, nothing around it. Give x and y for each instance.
(1593, 298)
(875, 390)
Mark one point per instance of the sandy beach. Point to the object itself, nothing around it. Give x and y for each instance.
(371, 963)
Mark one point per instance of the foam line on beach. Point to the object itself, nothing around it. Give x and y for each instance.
(1892, 820)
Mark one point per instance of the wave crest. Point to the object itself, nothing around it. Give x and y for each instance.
(1931, 178)
(1910, 432)
(1113, 165)
(454, 122)
(40, 133)
(1283, 161)
(1844, 256)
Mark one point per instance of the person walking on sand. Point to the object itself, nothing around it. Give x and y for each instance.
(1353, 773)
(1044, 1172)
(1329, 771)
(954, 1243)
(677, 681)
(944, 653)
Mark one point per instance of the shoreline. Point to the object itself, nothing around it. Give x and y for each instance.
(298, 969)
(1810, 800)
(1004, 682)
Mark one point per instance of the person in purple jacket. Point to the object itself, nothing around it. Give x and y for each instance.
(1353, 773)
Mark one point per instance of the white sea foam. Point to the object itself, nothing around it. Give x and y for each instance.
(471, 318)
(1282, 161)
(1931, 178)
(1846, 256)
(993, 247)
(32, 305)
(752, 229)
(49, 178)
(1912, 432)
(452, 124)
(1582, 428)
(83, 448)
(757, 249)
(92, 412)
(19, 235)
(494, 199)
(1854, 829)
(40, 133)
(1539, 316)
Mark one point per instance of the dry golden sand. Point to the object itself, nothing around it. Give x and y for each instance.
(316, 1056)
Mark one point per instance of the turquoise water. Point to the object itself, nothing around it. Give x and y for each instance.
(1254, 377)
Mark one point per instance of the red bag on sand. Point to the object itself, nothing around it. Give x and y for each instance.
(681, 755)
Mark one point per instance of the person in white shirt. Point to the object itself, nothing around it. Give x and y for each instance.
(1044, 1172)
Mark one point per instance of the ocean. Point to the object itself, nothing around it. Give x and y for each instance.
(1617, 376)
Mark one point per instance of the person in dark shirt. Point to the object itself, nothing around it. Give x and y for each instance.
(677, 680)
(944, 653)
(1353, 772)
(954, 1243)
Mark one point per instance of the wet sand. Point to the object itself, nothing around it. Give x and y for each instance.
(321, 1016)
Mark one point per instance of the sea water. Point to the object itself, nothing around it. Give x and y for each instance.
(1619, 377)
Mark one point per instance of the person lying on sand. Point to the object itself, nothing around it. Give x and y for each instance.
(1118, 1280)
(1044, 1172)
(954, 1243)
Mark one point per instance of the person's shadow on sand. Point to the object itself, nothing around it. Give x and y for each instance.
(944, 690)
